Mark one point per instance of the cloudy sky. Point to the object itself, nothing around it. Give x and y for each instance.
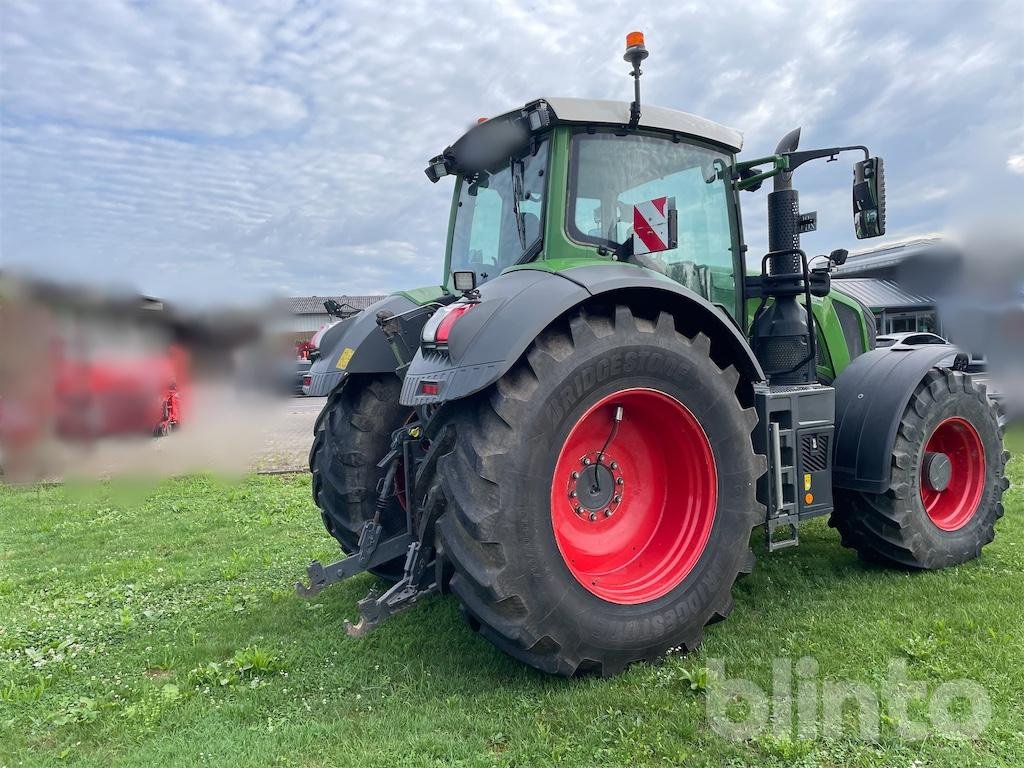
(197, 149)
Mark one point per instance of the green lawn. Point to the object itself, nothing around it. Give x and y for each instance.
(160, 627)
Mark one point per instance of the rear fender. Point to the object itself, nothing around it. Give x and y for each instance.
(871, 395)
(357, 345)
(518, 305)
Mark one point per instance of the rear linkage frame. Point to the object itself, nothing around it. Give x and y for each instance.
(413, 456)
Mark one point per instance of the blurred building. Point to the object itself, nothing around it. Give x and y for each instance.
(969, 290)
(889, 260)
(896, 309)
(888, 279)
(307, 314)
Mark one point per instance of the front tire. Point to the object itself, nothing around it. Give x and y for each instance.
(629, 575)
(948, 478)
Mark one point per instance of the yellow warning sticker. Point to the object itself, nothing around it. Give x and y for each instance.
(346, 356)
(807, 482)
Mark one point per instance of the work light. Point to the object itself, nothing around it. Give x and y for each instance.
(464, 281)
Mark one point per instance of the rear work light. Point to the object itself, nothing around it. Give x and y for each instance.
(429, 387)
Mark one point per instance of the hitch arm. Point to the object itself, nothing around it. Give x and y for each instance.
(377, 553)
(402, 596)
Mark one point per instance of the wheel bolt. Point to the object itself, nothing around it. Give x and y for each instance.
(586, 461)
(615, 465)
(619, 481)
(575, 475)
(572, 494)
(607, 513)
(617, 498)
(593, 516)
(578, 509)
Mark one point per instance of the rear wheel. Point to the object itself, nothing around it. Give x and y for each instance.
(948, 478)
(352, 434)
(582, 543)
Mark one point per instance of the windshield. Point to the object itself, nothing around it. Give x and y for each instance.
(498, 215)
(610, 174)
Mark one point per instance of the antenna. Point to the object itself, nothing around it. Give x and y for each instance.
(635, 53)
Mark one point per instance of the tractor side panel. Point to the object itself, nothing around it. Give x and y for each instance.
(518, 305)
(871, 395)
(357, 345)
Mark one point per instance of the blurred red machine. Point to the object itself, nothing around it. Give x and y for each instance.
(80, 366)
(121, 394)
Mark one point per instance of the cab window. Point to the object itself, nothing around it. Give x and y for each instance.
(609, 174)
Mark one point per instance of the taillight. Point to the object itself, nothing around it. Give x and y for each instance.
(429, 387)
(445, 328)
(307, 380)
(439, 327)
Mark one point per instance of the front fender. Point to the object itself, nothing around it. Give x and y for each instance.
(871, 395)
(516, 306)
(357, 345)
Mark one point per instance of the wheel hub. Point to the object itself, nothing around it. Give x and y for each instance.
(938, 471)
(596, 488)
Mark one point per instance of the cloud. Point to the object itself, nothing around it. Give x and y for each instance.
(199, 149)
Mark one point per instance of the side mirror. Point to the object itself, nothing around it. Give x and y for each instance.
(655, 226)
(869, 198)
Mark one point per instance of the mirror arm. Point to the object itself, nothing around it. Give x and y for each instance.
(796, 159)
(788, 162)
(779, 164)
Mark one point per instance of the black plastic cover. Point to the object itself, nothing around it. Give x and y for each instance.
(516, 306)
(357, 345)
(871, 395)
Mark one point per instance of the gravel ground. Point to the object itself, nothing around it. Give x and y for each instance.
(223, 432)
(289, 435)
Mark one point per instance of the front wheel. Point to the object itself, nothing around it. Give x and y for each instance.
(601, 495)
(948, 478)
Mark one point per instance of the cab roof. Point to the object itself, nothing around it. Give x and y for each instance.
(491, 140)
(568, 110)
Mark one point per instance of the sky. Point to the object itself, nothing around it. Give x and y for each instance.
(204, 151)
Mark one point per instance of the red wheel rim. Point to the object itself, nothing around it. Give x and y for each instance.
(951, 508)
(642, 541)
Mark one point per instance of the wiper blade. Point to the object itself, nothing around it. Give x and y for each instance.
(516, 168)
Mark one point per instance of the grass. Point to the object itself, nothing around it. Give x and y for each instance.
(158, 626)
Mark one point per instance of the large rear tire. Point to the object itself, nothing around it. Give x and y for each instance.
(636, 570)
(948, 478)
(353, 433)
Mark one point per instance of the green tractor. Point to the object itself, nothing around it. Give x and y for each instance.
(577, 432)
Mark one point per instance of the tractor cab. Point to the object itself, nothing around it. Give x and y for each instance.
(570, 179)
(562, 184)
